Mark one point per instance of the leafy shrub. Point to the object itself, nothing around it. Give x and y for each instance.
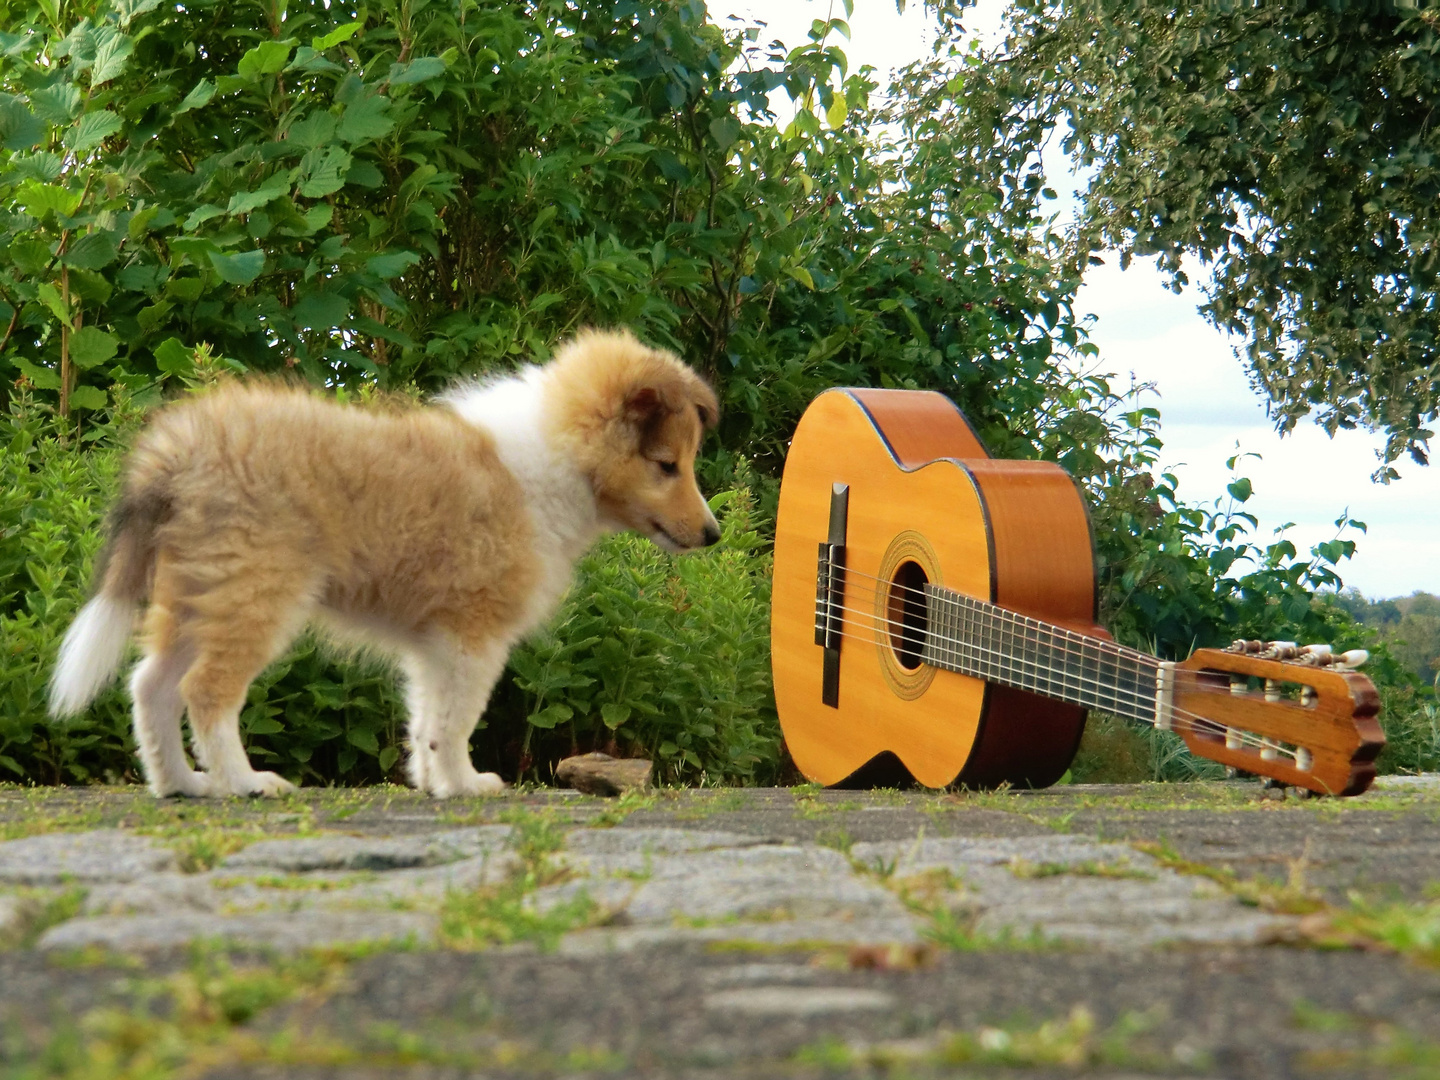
(665, 655)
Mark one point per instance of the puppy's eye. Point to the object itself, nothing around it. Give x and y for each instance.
(669, 468)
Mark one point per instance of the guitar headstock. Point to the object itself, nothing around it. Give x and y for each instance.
(1298, 714)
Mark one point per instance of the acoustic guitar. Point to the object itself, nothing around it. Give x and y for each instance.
(933, 617)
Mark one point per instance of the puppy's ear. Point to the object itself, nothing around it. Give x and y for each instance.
(644, 405)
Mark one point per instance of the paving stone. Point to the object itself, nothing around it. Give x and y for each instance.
(1070, 888)
(369, 852)
(282, 931)
(956, 852)
(799, 1001)
(81, 858)
(767, 881)
(655, 841)
(784, 932)
(155, 894)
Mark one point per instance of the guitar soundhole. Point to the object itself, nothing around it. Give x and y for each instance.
(907, 613)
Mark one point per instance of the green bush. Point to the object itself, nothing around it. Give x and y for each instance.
(666, 655)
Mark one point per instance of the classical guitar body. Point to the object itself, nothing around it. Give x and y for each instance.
(933, 618)
(901, 480)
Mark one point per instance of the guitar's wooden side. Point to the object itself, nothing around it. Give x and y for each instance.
(1012, 532)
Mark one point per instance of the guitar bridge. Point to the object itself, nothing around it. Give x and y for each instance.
(830, 595)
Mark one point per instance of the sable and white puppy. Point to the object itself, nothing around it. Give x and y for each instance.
(438, 535)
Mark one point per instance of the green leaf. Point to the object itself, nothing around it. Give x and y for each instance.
(92, 129)
(341, 33)
(110, 58)
(196, 98)
(364, 174)
(388, 757)
(320, 311)
(265, 59)
(92, 251)
(40, 199)
(724, 130)
(551, 715)
(326, 172)
(614, 715)
(90, 346)
(50, 296)
(238, 269)
(271, 189)
(202, 214)
(800, 274)
(172, 356)
(365, 120)
(88, 397)
(365, 740)
(417, 70)
(1240, 490)
(30, 257)
(392, 264)
(315, 130)
(43, 377)
(20, 129)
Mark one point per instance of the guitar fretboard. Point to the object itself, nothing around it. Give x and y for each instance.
(975, 637)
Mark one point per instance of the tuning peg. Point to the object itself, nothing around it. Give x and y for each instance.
(1315, 650)
(1352, 659)
(1282, 645)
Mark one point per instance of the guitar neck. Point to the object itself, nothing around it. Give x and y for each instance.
(978, 638)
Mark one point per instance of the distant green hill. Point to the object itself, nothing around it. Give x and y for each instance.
(1411, 624)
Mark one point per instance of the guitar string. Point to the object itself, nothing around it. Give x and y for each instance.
(1182, 719)
(987, 607)
(1015, 666)
(1142, 662)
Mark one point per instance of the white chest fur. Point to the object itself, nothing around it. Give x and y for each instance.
(559, 499)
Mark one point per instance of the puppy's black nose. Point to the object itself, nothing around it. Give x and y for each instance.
(712, 535)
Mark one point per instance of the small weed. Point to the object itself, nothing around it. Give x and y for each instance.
(1023, 868)
(204, 850)
(1409, 929)
(839, 839)
(504, 914)
(501, 916)
(616, 812)
(40, 910)
(1071, 1043)
(1293, 897)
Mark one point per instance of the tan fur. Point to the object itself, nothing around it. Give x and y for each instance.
(595, 417)
(256, 509)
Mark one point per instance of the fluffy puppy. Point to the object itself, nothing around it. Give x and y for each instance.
(437, 535)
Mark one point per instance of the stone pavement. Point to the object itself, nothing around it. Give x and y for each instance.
(1116, 931)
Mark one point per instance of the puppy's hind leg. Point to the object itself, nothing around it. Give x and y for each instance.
(447, 692)
(231, 651)
(155, 688)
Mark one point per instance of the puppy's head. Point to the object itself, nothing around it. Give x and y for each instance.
(632, 418)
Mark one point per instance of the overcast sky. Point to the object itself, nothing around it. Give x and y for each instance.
(1206, 403)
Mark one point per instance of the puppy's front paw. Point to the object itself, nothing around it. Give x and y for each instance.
(264, 783)
(189, 784)
(471, 786)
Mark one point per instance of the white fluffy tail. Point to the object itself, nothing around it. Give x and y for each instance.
(91, 653)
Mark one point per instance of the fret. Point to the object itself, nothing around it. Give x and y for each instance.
(983, 640)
